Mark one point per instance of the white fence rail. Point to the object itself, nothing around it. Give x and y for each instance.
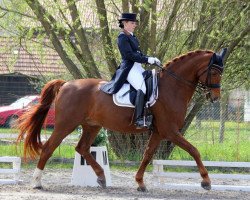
(161, 175)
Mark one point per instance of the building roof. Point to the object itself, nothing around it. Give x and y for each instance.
(29, 58)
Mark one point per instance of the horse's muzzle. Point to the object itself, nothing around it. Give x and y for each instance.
(212, 98)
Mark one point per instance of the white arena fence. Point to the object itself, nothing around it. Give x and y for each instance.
(161, 175)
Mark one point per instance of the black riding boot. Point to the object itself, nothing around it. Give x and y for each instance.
(139, 109)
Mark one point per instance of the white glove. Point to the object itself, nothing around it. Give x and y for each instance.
(154, 60)
(151, 60)
(157, 61)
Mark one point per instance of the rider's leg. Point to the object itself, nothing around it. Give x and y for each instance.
(139, 109)
(136, 79)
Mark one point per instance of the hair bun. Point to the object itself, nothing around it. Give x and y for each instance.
(121, 25)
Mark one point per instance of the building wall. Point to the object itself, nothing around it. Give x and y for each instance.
(14, 86)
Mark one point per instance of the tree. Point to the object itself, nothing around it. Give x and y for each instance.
(166, 29)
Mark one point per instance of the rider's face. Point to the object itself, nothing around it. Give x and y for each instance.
(130, 26)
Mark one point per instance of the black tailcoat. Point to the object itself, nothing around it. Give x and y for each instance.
(130, 52)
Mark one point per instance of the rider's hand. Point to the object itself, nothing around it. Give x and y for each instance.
(157, 61)
(154, 60)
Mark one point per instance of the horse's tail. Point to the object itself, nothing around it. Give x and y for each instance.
(31, 122)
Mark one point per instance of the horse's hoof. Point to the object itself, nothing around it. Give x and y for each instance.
(101, 182)
(142, 189)
(38, 187)
(206, 185)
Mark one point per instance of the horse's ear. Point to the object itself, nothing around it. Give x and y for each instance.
(223, 53)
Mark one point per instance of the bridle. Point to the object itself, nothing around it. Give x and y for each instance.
(200, 87)
(208, 84)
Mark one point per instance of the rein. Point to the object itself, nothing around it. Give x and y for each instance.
(179, 78)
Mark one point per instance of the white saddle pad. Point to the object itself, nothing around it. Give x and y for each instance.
(123, 100)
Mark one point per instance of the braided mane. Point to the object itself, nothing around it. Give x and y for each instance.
(191, 53)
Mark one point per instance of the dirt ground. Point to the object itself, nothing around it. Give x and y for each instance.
(56, 185)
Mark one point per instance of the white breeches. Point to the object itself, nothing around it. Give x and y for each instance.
(135, 77)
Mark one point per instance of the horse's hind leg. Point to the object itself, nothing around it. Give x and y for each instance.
(152, 146)
(179, 140)
(83, 148)
(47, 150)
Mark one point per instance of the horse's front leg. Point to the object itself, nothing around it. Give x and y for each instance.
(179, 140)
(153, 143)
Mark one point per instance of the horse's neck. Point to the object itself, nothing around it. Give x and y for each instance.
(188, 67)
(181, 83)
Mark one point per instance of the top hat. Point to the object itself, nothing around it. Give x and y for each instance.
(128, 17)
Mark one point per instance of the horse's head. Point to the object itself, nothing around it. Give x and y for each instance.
(210, 78)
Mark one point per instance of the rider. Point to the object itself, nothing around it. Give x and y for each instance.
(130, 68)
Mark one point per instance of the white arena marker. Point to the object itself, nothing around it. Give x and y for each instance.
(84, 175)
(15, 170)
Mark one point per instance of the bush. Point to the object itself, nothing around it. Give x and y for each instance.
(101, 138)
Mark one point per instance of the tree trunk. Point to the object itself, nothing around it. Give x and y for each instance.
(106, 39)
(134, 4)
(231, 28)
(143, 28)
(125, 6)
(209, 27)
(236, 41)
(194, 35)
(152, 38)
(40, 12)
(223, 113)
(128, 146)
(167, 32)
(90, 66)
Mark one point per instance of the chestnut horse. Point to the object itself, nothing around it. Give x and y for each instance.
(80, 102)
